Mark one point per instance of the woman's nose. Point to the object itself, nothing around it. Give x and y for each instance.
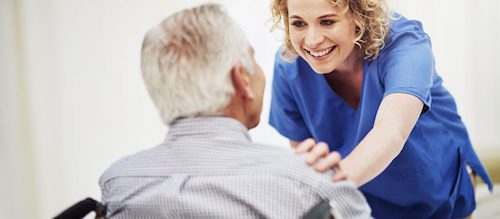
(313, 38)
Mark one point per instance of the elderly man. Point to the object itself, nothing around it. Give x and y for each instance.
(200, 71)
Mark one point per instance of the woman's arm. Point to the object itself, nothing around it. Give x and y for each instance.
(396, 117)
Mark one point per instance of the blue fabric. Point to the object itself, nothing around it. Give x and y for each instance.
(428, 179)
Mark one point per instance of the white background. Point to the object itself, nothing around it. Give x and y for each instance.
(72, 99)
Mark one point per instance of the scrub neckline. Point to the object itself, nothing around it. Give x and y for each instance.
(343, 103)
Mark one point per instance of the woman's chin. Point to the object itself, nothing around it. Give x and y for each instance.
(321, 65)
(322, 69)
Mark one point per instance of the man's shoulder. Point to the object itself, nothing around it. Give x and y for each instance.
(129, 164)
(283, 162)
(217, 158)
(230, 164)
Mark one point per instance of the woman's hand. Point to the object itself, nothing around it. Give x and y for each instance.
(320, 158)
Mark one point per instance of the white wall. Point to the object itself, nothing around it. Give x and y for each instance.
(16, 165)
(465, 38)
(73, 100)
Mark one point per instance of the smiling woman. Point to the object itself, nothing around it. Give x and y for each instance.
(369, 17)
(363, 81)
(322, 40)
(71, 91)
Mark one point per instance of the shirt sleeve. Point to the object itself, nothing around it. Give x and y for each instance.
(408, 66)
(284, 114)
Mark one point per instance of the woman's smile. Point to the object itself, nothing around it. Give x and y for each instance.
(321, 33)
(321, 54)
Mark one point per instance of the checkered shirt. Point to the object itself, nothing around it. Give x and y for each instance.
(208, 167)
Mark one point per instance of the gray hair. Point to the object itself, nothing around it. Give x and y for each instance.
(186, 62)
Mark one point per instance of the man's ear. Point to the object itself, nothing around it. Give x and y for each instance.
(241, 81)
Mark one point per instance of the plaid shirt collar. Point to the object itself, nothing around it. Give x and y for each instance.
(214, 127)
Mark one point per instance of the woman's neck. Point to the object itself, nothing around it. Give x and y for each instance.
(352, 65)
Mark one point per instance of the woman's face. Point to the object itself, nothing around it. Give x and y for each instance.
(321, 34)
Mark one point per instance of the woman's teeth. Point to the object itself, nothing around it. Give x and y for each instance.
(320, 53)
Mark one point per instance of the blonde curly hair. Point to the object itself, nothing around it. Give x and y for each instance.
(371, 18)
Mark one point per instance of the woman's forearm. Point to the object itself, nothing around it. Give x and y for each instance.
(397, 115)
(373, 154)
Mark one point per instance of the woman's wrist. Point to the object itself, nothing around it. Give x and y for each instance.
(345, 172)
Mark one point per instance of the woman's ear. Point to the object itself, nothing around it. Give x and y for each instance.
(241, 81)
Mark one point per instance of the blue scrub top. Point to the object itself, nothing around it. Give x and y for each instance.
(428, 179)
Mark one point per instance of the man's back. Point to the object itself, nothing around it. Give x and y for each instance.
(208, 167)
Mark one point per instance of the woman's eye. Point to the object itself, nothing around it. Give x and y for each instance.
(298, 23)
(327, 22)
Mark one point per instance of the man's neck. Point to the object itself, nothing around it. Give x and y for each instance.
(235, 110)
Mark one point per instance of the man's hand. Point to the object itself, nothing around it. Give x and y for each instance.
(320, 157)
